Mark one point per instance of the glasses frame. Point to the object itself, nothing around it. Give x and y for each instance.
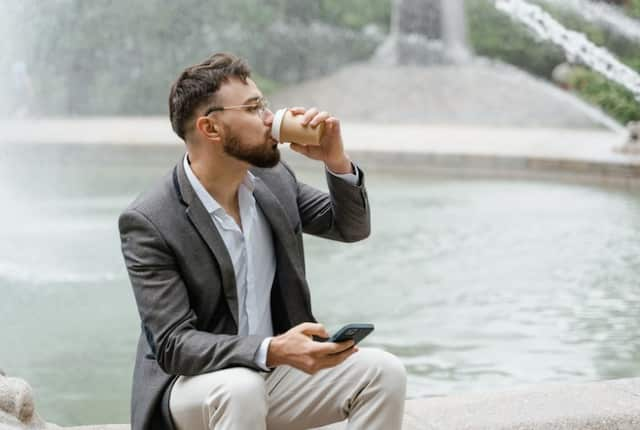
(259, 110)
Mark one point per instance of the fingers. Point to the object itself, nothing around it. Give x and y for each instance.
(314, 356)
(297, 110)
(333, 124)
(343, 346)
(311, 151)
(331, 360)
(317, 119)
(331, 130)
(311, 116)
(323, 349)
(301, 149)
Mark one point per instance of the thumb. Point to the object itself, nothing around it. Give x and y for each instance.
(312, 329)
(302, 149)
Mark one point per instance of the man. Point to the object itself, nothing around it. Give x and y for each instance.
(215, 257)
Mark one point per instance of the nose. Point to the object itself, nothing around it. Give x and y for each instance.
(267, 117)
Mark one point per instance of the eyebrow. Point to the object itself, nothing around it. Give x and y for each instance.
(251, 99)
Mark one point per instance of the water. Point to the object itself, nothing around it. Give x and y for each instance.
(576, 46)
(454, 31)
(604, 14)
(476, 284)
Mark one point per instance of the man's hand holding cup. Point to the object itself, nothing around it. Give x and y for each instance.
(315, 134)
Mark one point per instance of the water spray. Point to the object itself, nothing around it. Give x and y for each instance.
(603, 14)
(578, 48)
(576, 45)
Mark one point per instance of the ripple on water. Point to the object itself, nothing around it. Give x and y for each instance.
(475, 284)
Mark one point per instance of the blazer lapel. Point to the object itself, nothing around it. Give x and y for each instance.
(277, 217)
(292, 301)
(202, 221)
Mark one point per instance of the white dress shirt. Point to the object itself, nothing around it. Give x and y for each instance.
(252, 254)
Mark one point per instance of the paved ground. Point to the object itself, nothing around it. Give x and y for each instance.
(575, 154)
(568, 143)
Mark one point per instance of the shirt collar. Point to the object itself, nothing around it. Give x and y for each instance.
(249, 181)
(209, 203)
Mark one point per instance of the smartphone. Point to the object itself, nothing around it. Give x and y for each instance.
(354, 331)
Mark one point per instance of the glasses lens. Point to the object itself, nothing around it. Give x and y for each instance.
(262, 106)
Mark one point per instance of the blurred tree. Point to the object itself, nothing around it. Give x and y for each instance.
(633, 8)
(356, 14)
(495, 35)
(118, 57)
(108, 57)
(609, 96)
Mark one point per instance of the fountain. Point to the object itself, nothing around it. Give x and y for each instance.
(426, 32)
(424, 72)
(17, 408)
(479, 91)
(576, 45)
(578, 49)
(602, 14)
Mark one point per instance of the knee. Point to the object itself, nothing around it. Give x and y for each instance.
(230, 395)
(388, 369)
(243, 387)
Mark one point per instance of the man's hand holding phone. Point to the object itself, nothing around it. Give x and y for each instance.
(296, 348)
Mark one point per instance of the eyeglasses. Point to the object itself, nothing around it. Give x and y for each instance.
(260, 107)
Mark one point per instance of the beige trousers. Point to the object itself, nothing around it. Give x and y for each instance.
(368, 389)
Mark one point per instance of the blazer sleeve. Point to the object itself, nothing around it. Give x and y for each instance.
(168, 320)
(342, 214)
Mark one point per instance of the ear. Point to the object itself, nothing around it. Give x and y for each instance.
(208, 127)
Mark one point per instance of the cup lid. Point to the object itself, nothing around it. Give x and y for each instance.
(277, 121)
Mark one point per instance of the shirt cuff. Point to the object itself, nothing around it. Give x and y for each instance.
(261, 355)
(351, 178)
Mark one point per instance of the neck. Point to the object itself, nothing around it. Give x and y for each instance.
(220, 176)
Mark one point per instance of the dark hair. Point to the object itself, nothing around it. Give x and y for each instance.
(199, 83)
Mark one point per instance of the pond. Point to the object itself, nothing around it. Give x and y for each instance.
(476, 284)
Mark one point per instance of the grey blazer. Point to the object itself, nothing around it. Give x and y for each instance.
(184, 284)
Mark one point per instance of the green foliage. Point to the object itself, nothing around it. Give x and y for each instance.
(356, 14)
(611, 97)
(600, 35)
(493, 34)
(114, 57)
(633, 8)
(111, 57)
(266, 85)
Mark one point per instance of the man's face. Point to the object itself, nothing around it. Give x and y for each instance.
(246, 134)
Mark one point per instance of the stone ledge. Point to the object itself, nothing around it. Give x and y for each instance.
(555, 154)
(603, 405)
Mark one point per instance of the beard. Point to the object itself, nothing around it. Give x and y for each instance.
(264, 155)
